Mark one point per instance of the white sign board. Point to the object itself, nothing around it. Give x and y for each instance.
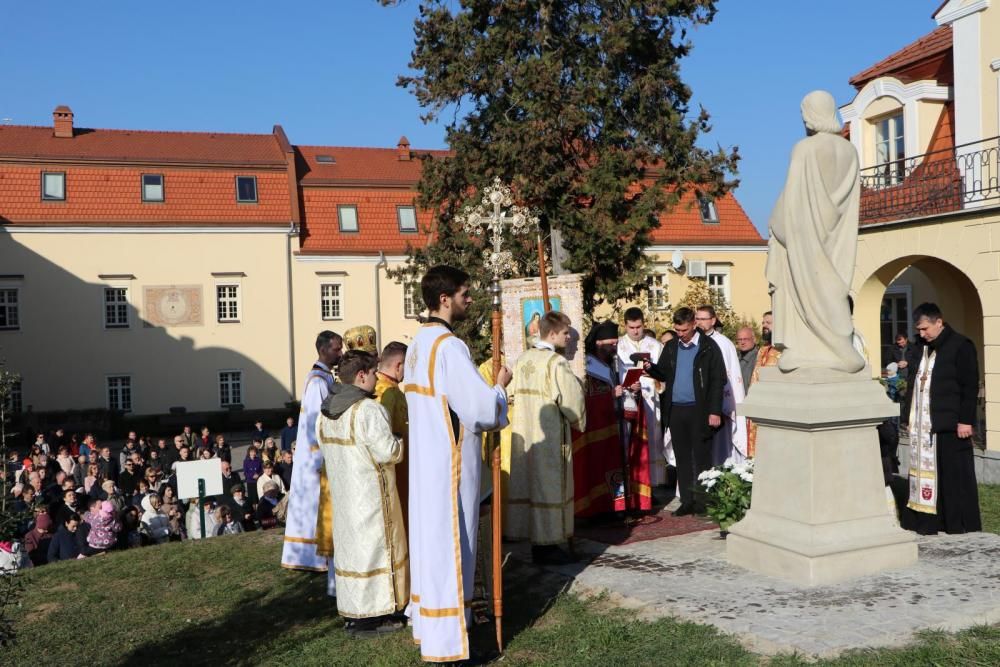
(190, 472)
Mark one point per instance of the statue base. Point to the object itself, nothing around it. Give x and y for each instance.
(819, 512)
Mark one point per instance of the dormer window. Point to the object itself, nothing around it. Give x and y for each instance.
(348, 218)
(53, 186)
(152, 187)
(707, 207)
(890, 148)
(246, 189)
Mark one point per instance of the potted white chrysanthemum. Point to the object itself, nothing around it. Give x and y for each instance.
(726, 489)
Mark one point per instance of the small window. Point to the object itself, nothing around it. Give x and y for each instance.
(14, 402)
(407, 217)
(329, 296)
(230, 388)
(707, 207)
(411, 300)
(53, 186)
(657, 290)
(246, 189)
(116, 307)
(348, 217)
(326, 159)
(120, 393)
(152, 187)
(890, 148)
(9, 317)
(228, 302)
(717, 277)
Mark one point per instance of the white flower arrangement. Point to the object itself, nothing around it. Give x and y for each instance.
(727, 489)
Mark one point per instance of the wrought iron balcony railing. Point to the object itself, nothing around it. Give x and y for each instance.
(941, 181)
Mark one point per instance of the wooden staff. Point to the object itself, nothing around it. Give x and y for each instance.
(542, 273)
(497, 540)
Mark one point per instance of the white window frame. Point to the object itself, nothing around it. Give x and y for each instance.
(105, 304)
(238, 301)
(122, 405)
(399, 219)
(162, 186)
(327, 303)
(227, 381)
(8, 307)
(46, 197)
(412, 301)
(658, 289)
(15, 402)
(725, 272)
(340, 218)
(893, 164)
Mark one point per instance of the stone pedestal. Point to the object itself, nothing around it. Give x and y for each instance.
(819, 512)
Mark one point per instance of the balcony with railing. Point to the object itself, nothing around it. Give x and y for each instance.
(943, 181)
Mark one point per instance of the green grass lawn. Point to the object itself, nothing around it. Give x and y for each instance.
(225, 601)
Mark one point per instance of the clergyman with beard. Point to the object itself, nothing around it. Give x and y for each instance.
(767, 355)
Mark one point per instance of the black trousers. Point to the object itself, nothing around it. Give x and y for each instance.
(691, 448)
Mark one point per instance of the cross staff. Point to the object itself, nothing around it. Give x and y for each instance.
(488, 217)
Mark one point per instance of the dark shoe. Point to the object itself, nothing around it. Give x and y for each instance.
(550, 555)
(684, 510)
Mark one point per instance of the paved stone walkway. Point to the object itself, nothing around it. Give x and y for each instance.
(689, 577)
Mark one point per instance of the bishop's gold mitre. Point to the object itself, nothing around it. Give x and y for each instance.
(361, 338)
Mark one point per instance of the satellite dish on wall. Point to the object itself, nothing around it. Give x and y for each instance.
(677, 260)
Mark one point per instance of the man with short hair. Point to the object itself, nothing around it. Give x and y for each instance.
(548, 402)
(449, 406)
(284, 470)
(692, 368)
(944, 390)
(230, 477)
(188, 438)
(129, 478)
(641, 405)
(388, 393)
(288, 434)
(360, 452)
(746, 349)
(731, 439)
(308, 529)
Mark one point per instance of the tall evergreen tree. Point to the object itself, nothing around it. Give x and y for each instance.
(581, 107)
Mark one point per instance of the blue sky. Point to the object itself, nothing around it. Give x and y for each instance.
(326, 71)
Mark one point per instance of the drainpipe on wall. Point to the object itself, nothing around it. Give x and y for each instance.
(292, 231)
(381, 264)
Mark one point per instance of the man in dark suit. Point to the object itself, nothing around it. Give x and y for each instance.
(692, 368)
(951, 390)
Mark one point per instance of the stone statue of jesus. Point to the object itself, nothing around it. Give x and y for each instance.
(810, 259)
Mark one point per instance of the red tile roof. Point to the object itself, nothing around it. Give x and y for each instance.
(378, 225)
(39, 143)
(936, 43)
(359, 166)
(113, 195)
(683, 225)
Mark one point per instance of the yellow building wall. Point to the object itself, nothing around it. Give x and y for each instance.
(989, 26)
(747, 283)
(960, 259)
(356, 277)
(64, 351)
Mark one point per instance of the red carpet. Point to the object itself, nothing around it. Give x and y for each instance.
(651, 527)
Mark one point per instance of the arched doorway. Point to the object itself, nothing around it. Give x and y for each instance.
(886, 299)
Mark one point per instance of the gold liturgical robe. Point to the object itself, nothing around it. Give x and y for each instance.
(548, 401)
(371, 563)
(388, 393)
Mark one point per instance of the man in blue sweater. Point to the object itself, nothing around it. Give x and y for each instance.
(694, 373)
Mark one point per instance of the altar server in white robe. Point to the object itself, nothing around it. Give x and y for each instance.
(636, 340)
(449, 405)
(548, 402)
(731, 439)
(301, 540)
(360, 453)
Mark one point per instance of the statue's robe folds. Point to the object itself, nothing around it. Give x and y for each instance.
(308, 541)
(547, 402)
(449, 407)
(811, 253)
(371, 566)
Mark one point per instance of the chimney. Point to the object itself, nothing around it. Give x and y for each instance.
(404, 149)
(62, 122)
